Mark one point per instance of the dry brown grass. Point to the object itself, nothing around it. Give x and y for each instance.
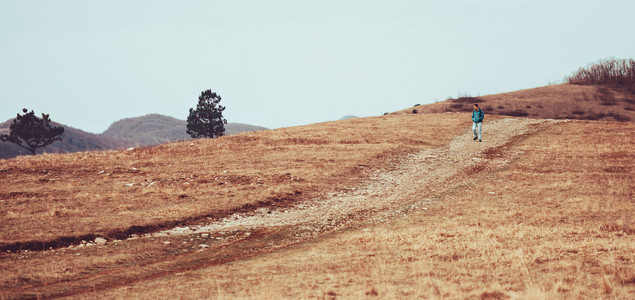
(106, 193)
(67, 198)
(562, 101)
(555, 223)
(558, 222)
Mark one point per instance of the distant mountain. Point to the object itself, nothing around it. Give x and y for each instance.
(155, 129)
(146, 130)
(346, 117)
(150, 129)
(73, 140)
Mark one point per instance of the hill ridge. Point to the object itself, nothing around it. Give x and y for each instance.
(152, 129)
(562, 101)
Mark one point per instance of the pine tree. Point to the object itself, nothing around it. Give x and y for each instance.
(207, 119)
(30, 132)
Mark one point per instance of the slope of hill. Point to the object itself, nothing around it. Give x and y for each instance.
(234, 128)
(73, 140)
(397, 206)
(563, 101)
(154, 129)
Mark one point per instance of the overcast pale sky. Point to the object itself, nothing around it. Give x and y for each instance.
(279, 63)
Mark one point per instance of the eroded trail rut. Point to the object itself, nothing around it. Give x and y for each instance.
(414, 182)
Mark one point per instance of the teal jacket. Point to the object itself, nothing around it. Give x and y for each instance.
(477, 115)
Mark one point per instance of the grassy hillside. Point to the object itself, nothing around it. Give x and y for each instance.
(563, 101)
(154, 129)
(106, 193)
(512, 217)
(509, 217)
(73, 140)
(540, 227)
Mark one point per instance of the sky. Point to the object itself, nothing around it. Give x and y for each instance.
(280, 63)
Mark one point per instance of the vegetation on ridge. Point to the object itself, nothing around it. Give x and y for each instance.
(207, 119)
(615, 72)
(31, 133)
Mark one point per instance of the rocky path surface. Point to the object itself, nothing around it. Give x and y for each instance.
(412, 183)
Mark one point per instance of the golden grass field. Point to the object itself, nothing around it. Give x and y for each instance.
(553, 220)
(52, 196)
(556, 223)
(56, 200)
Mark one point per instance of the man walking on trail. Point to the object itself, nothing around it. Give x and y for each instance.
(477, 122)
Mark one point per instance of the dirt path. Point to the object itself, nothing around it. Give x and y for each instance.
(387, 193)
(413, 182)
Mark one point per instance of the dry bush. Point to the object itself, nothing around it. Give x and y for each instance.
(616, 72)
(468, 100)
(514, 113)
(598, 116)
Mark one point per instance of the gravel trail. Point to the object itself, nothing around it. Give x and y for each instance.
(412, 183)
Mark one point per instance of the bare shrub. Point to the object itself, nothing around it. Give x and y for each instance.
(501, 107)
(468, 99)
(515, 113)
(598, 116)
(605, 97)
(616, 72)
(592, 116)
(577, 112)
(456, 106)
(604, 90)
(608, 102)
(488, 108)
(618, 117)
(629, 108)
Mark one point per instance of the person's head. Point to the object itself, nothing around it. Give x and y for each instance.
(475, 106)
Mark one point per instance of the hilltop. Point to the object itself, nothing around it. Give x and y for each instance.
(562, 101)
(154, 129)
